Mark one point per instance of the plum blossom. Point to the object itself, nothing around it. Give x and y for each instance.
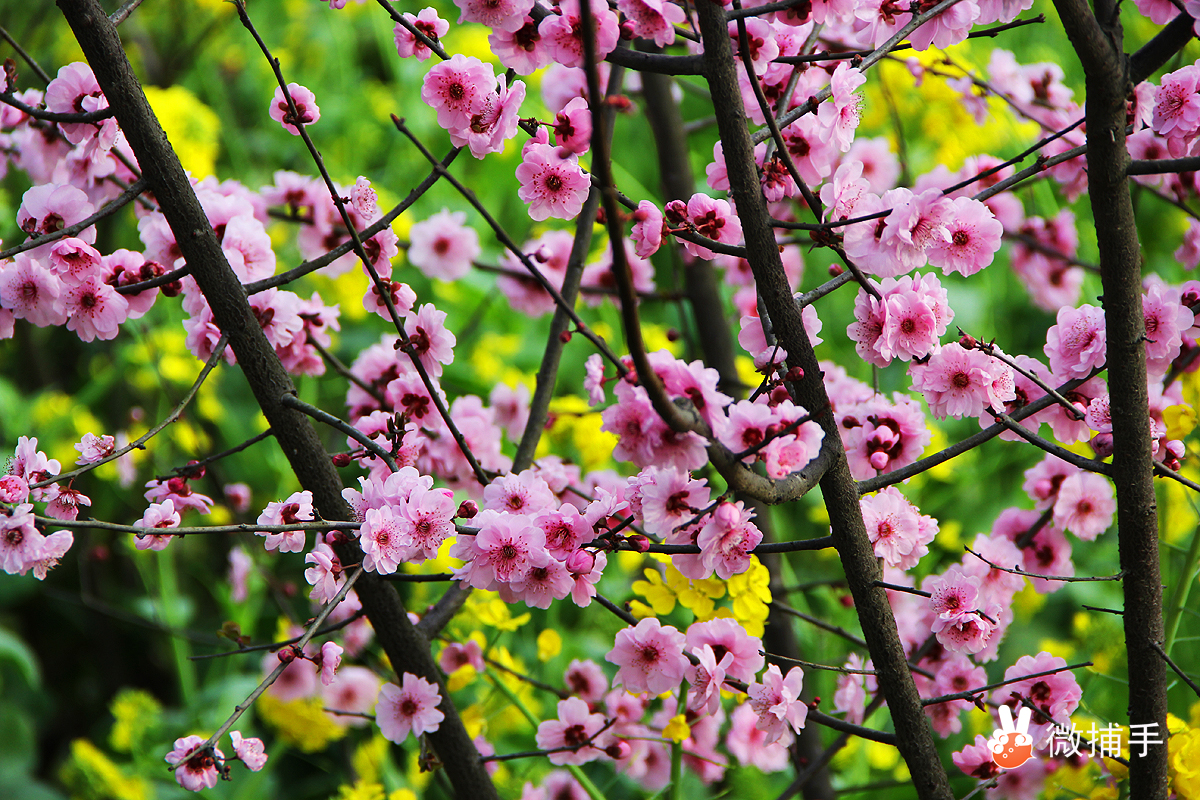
(158, 515)
(93, 448)
(501, 14)
(575, 728)
(455, 88)
(653, 19)
(248, 751)
(958, 382)
(1085, 505)
(777, 702)
(429, 339)
(1056, 695)
(1076, 344)
(410, 707)
(898, 531)
(650, 657)
(443, 246)
(553, 186)
(195, 769)
(54, 547)
(306, 108)
(839, 115)
(427, 22)
(325, 575)
(297, 508)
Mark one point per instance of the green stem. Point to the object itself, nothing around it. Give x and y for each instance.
(169, 601)
(592, 790)
(1179, 596)
(676, 771)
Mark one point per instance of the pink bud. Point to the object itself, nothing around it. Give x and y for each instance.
(675, 212)
(581, 562)
(879, 460)
(467, 509)
(638, 543)
(1102, 445)
(618, 750)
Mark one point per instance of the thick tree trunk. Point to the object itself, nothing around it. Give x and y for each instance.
(1098, 42)
(407, 650)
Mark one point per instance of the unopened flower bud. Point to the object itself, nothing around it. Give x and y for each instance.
(288, 654)
(341, 459)
(968, 341)
(794, 374)
(835, 270)
(1102, 445)
(467, 509)
(564, 337)
(581, 562)
(675, 212)
(618, 749)
(673, 335)
(638, 543)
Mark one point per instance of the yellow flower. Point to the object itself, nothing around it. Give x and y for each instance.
(490, 610)
(191, 126)
(660, 596)
(549, 644)
(369, 757)
(677, 729)
(1181, 420)
(463, 676)
(361, 790)
(135, 713)
(91, 774)
(300, 723)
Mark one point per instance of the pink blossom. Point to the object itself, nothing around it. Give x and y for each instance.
(443, 247)
(94, 448)
(506, 547)
(973, 239)
(1076, 344)
(563, 32)
(32, 291)
(297, 508)
(976, 760)
(573, 127)
(493, 120)
(20, 542)
(594, 382)
(522, 49)
(760, 41)
(74, 259)
(725, 635)
(427, 22)
(880, 436)
(384, 544)
(455, 656)
(1166, 321)
(653, 19)
(306, 108)
(426, 520)
(238, 575)
(524, 493)
(650, 657)
(1085, 505)
(63, 502)
(957, 382)
(726, 540)
(647, 229)
(575, 728)
(354, 690)
(72, 91)
(429, 339)
(94, 309)
(51, 207)
(249, 751)
(158, 515)
(330, 659)
(500, 14)
(707, 677)
(669, 498)
(1177, 104)
(748, 743)
(586, 680)
(777, 702)
(456, 88)
(53, 547)
(412, 706)
(325, 574)
(13, 489)
(553, 186)
(194, 769)
(839, 115)
(713, 219)
(896, 528)
(1056, 695)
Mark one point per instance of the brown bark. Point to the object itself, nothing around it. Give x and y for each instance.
(1097, 39)
(913, 734)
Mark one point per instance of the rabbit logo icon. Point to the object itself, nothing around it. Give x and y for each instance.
(1011, 745)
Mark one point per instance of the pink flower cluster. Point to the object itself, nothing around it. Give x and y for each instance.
(23, 547)
(479, 111)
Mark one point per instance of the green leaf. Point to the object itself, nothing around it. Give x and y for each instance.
(14, 650)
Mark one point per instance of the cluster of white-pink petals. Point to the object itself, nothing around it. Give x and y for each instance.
(477, 109)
